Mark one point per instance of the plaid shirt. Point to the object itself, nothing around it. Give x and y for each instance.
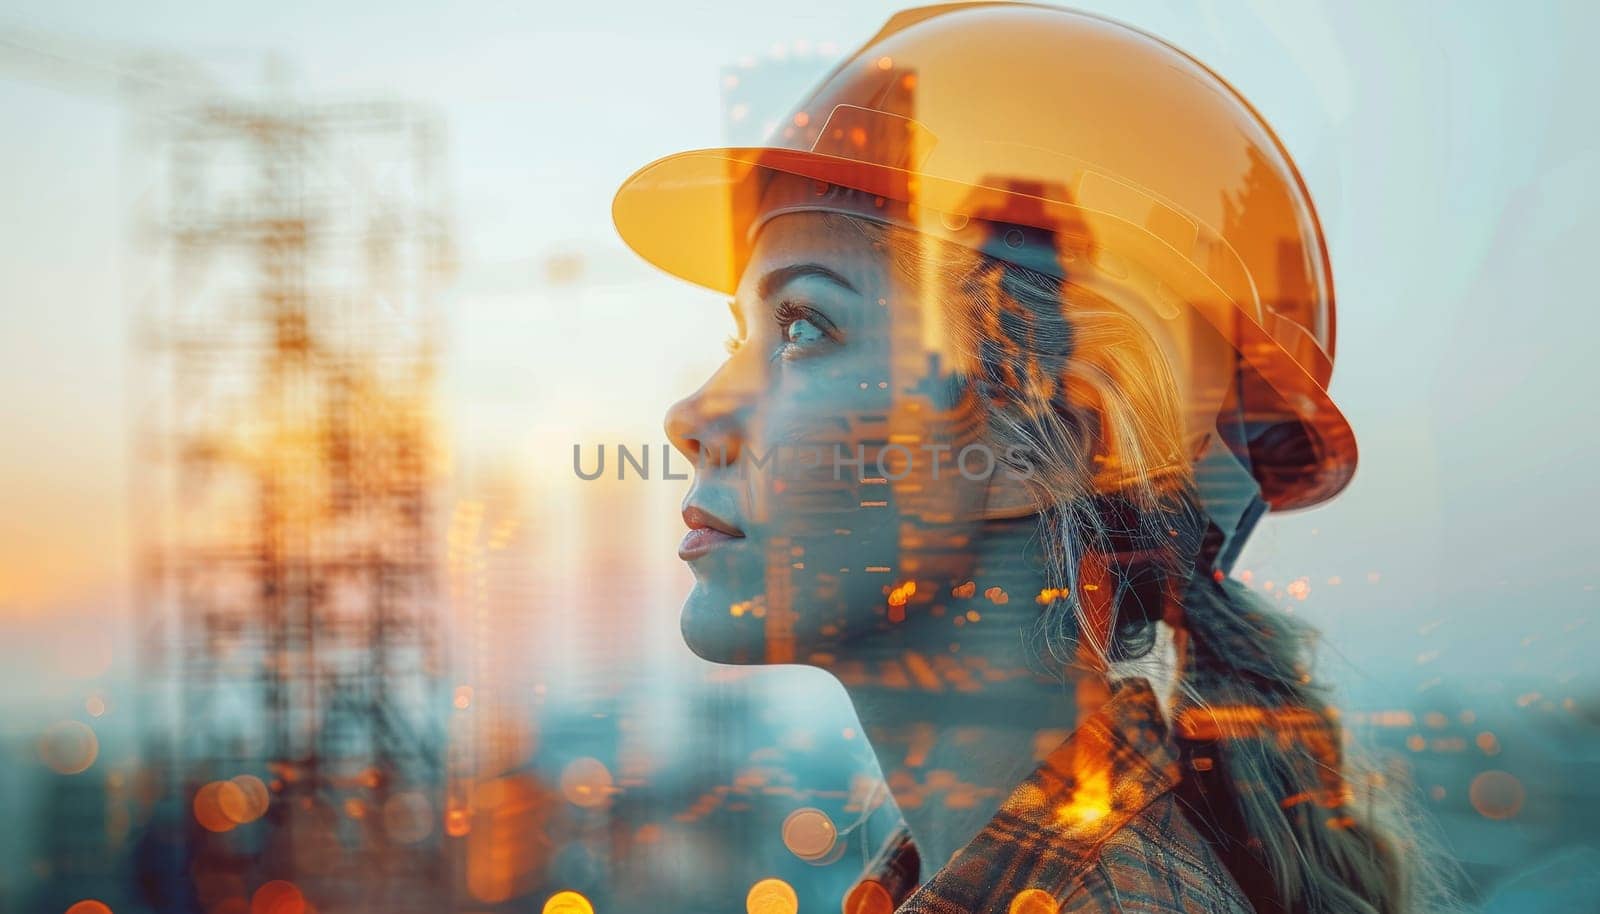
(1095, 828)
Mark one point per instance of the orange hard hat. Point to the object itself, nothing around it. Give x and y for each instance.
(962, 117)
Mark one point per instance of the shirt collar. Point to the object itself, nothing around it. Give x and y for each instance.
(1046, 832)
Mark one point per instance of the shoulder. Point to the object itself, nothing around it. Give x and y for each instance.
(1157, 863)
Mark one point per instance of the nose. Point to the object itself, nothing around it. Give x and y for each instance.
(705, 428)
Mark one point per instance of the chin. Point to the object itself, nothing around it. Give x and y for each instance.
(714, 633)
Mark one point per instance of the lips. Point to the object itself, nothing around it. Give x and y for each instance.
(706, 532)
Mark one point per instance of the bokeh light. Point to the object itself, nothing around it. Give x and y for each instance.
(1487, 743)
(567, 902)
(457, 822)
(68, 747)
(868, 897)
(1497, 794)
(278, 897)
(586, 782)
(408, 817)
(809, 834)
(208, 805)
(244, 799)
(771, 896)
(1033, 901)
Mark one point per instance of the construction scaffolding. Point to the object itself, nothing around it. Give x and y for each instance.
(287, 328)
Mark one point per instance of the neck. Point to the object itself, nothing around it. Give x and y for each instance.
(955, 732)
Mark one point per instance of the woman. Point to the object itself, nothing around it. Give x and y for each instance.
(1033, 322)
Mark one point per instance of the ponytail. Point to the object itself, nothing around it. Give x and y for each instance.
(1264, 775)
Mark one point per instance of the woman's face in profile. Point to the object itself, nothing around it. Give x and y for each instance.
(800, 540)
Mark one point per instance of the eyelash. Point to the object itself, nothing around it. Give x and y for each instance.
(786, 313)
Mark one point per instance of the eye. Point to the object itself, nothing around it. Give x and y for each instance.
(804, 330)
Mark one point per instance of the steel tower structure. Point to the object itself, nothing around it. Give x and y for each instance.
(289, 464)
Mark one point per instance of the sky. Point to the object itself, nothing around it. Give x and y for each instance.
(1450, 148)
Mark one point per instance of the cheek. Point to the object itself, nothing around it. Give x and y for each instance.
(824, 522)
(806, 433)
(839, 535)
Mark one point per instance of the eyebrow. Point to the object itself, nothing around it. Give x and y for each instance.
(782, 276)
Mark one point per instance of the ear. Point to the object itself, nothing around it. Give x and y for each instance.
(1010, 494)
